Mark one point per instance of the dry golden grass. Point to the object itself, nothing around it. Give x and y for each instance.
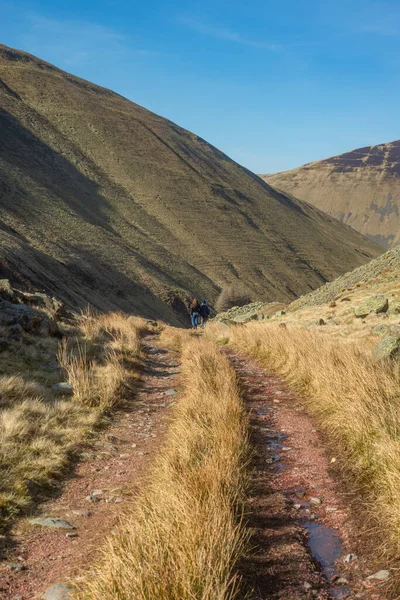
(183, 536)
(176, 338)
(94, 385)
(39, 431)
(38, 436)
(356, 401)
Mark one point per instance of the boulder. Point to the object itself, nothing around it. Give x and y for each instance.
(374, 304)
(389, 347)
(316, 322)
(64, 388)
(380, 329)
(395, 330)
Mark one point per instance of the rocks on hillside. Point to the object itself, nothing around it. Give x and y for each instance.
(380, 329)
(31, 320)
(389, 347)
(374, 304)
(32, 313)
(383, 329)
(256, 311)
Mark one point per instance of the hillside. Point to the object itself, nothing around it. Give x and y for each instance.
(360, 188)
(105, 202)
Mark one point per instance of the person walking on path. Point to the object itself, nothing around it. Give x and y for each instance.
(204, 314)
(194, 313)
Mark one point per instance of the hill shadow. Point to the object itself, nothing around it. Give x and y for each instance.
(26, 156)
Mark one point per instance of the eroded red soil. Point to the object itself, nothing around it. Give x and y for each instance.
(301, 522)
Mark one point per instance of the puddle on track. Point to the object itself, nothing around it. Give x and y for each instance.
(324, 542)
(326, 548)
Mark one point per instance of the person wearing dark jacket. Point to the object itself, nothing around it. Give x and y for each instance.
(204, 314)
(194, 312)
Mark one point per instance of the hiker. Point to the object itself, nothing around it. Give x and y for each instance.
(204, 314)
(194, 312)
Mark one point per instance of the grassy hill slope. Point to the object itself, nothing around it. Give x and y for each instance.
(360, 188)
(105, 202)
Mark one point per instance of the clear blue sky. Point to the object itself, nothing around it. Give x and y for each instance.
(272, 84)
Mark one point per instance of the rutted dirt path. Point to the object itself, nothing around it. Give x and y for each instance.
(301, 524)
(110, 474)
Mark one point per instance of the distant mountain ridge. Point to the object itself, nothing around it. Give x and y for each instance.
(105, 202)
(360, 188)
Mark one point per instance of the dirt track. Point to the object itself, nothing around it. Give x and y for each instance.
(114, 465)
(302, 527)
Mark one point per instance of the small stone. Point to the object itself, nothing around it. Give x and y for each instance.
(91, 498)
(297, 506)
(307, 586)
(333, 460)
(331, 509)
(170, 392)
(81, 513)
(379, 576)
(123, 455)
(118, 500)
(110, 447)
(64, 388)
(16, 567)
(278, 393)
(313, 516)
(71, 534)
(97, 493)
(52, 522)
(134, 446)
(286, 449)
(350, 558)
(276, 401)
(342, 581)
(58, 591)
(315, 500)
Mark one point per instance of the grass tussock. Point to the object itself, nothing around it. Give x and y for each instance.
(183, 535)
(40, 431)
(356, 400)
(94, 385)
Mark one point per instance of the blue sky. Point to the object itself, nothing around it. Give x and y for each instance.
(272, 84)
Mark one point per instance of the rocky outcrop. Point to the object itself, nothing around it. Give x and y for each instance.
(27, 313)
(374, 304)
(30, 320)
